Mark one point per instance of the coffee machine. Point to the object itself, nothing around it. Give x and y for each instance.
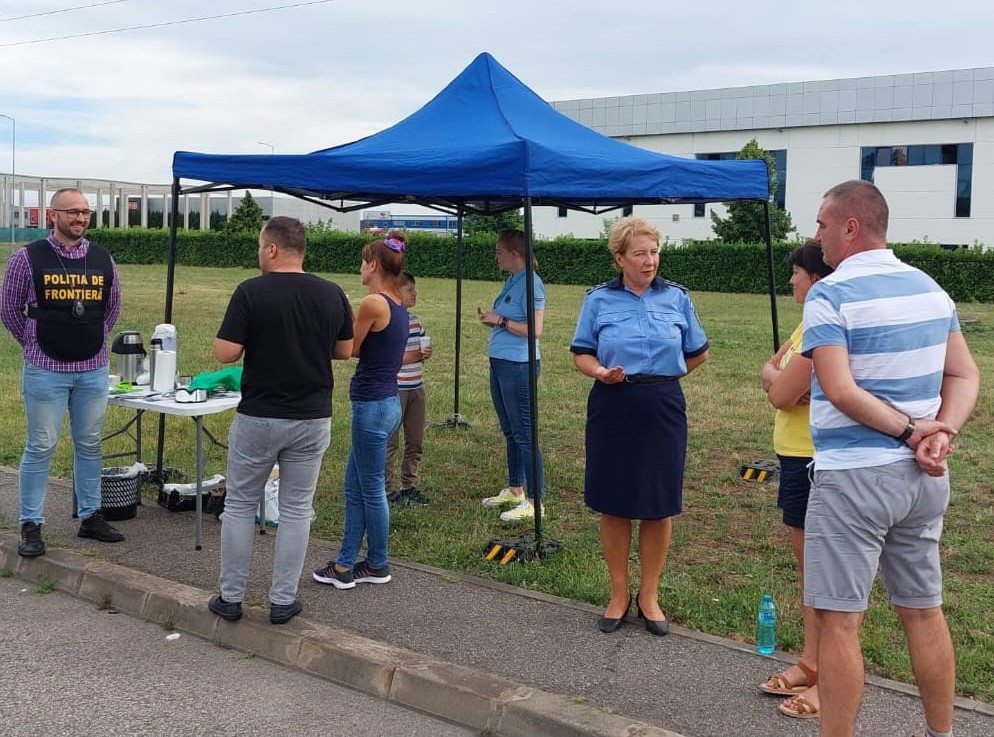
(130, 352)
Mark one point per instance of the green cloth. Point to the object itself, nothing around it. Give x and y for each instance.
(229, 378)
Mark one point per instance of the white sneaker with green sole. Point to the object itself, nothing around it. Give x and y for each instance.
(523, 512)
(504, 498)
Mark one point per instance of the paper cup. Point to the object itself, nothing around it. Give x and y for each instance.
(113, 379)
(425, 343)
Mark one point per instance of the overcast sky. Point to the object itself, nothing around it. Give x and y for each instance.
(117, 105)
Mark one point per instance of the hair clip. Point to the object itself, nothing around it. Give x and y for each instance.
(394, 244)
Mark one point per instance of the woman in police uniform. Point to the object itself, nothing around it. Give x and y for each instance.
(636, 336)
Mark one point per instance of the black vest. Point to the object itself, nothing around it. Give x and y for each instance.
(63, 285)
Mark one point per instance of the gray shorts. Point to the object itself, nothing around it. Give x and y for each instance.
(863, 518)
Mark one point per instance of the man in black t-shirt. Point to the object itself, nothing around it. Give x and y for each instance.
(287, 326)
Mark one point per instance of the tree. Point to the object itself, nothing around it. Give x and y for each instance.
(746, 221)
(475, 224)
(247, 217)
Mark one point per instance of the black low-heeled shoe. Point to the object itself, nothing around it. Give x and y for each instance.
(607, 625)
(658, 627)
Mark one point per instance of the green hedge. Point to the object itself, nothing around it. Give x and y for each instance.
(966, 274)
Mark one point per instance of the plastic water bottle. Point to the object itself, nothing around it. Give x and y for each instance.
(766, 631)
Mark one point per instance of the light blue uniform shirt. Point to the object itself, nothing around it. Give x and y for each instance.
(512, 303)
(647, 334)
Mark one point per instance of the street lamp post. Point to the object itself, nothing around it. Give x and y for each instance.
(272, 201)
(13, 164)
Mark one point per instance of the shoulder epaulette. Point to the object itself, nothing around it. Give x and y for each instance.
(597, 286)
(669, 283)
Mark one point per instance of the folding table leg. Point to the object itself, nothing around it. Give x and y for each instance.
(198, 524)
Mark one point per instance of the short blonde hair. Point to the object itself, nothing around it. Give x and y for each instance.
(625, 229)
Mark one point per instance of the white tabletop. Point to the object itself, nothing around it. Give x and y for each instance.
(151, 402)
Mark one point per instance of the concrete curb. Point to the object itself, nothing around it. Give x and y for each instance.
(494, 706)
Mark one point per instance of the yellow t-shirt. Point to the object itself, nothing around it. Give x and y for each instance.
(791, 427)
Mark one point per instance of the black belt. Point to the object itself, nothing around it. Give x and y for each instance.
(648, 378)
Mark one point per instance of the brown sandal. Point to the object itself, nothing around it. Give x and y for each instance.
(798, 707)
(779, 685)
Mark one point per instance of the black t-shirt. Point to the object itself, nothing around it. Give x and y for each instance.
(288, 323)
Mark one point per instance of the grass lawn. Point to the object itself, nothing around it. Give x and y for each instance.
(729, 546)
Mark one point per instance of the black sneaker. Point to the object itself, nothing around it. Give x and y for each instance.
(397, 498)
(414, 495)
(31, 545)
(365, 573)
(97, 528)
(230, 610)
(338, 579)
(283, 613)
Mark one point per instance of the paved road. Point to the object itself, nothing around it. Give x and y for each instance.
(69, 668)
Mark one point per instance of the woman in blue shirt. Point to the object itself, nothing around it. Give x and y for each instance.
(636, 335)
(509, 384)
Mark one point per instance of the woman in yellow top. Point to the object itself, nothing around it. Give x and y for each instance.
(787, 381)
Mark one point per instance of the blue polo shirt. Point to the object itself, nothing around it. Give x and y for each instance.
(651, 333)
(512, 303)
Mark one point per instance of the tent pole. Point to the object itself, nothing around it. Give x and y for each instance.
(455, 420)
(532, 368)
(771, 275)
(167, 318)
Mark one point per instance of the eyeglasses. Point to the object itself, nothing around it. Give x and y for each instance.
(74, 213)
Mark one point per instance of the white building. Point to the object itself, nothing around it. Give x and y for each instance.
(926, 139)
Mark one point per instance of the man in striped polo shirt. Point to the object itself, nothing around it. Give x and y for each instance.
(894, 382)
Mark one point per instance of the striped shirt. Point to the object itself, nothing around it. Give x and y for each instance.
(19, 291)
(894, 321)
(411, 375)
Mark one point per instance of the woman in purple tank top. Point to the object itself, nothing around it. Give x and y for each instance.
(381, 331)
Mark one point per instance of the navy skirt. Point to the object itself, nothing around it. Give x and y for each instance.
(636, 446)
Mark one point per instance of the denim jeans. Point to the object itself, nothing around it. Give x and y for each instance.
(254, 445)
(366, 510)
(47, 395)
(509, 390)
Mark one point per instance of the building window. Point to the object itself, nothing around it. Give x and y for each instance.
(779, 168)
(627, 210)
(960, 154)
(699, 209)
(562, 212)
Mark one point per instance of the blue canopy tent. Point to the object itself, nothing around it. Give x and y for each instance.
(485, 144)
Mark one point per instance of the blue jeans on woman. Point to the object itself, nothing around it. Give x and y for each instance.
(366, 510)
(47, 395)
(510, 393)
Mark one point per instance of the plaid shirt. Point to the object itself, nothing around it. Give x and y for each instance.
(19, 292)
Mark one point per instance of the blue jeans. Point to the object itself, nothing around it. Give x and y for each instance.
(255, 444)
(47, 395)
(509, 390)
(366, 510)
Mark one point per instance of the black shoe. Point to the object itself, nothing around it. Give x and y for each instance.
(283, 613)
(398, 499)
(97, 528)
(414, 495)
(607, 625)
(365, 573)
(31, 545)
(230, 610)
(658, 627)
(338, 579)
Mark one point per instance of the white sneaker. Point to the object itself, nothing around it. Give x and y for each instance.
(521, 513)
(504, 498)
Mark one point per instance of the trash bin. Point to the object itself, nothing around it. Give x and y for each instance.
(119, 492)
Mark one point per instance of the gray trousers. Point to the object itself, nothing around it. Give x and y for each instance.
(255, 444)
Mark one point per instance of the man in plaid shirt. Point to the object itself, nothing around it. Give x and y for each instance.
(61, 297)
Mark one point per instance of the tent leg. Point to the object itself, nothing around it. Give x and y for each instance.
(771, 275)
(455, 421)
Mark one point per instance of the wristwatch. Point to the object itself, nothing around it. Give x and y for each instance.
(502, 324)
(909, 430)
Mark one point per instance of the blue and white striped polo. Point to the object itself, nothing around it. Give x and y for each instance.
(894, 320)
